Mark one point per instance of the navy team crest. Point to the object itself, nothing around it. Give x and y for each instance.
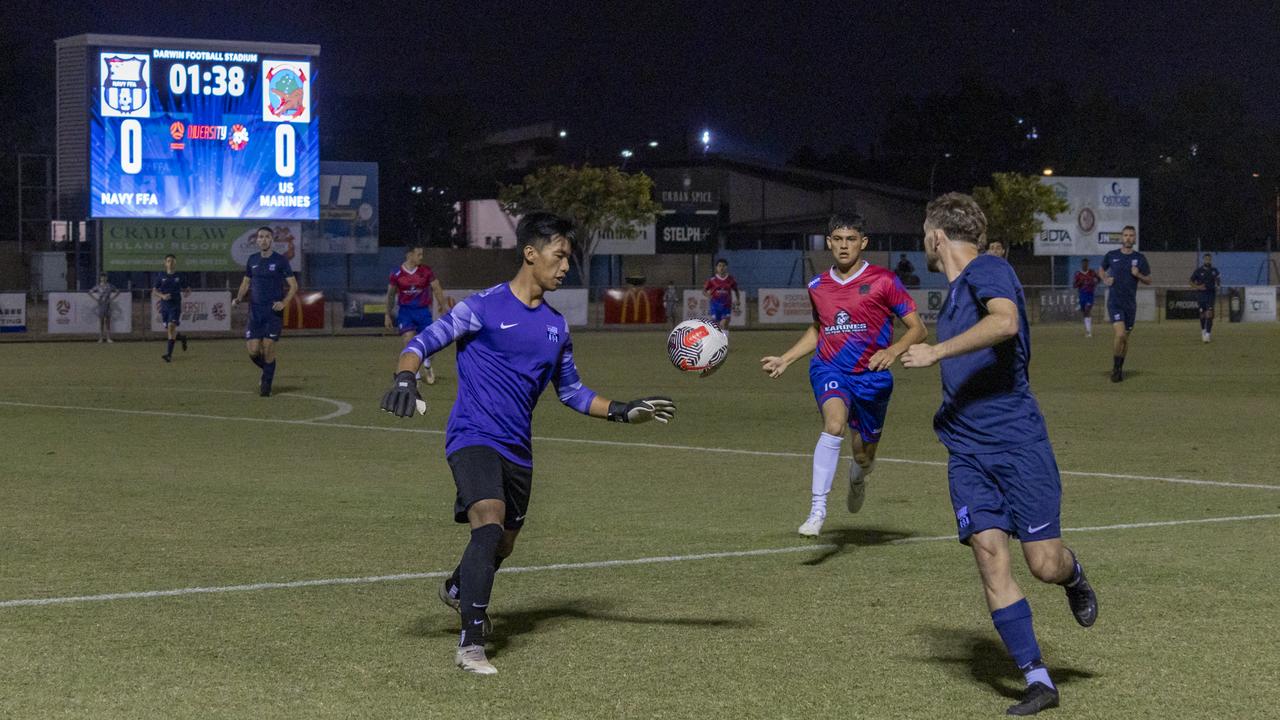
(125, 85)
(553, 333)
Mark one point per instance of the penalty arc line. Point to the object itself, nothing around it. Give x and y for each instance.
(592, 565)
(604, 443)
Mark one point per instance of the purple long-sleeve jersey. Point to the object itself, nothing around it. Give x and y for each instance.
(507, 353)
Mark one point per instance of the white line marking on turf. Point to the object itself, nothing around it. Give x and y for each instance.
(607, 443)
(593, 565)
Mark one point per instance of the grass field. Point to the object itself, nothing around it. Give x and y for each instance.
(121, 474)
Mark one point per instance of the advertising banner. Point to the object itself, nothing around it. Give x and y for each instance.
(1260, 304)
(696, 305)
(784, 305)
(199, 245)
(1059, 305)
(305, 312)
(641, 244)
(1099, 208)
(1181, 304)
(634, 306)
(364, 310)
(928, 304)
(13, 312)
(685, 233)
(202, 311)
(348, 209)
(78, 313)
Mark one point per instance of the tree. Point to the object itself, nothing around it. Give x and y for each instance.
(1012, 204)
(598, 200)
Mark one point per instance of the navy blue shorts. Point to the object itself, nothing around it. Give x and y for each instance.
(415, 319)
(1122, 312)
(170, 313)
(1206, 301)
(866, 394)
(720, 311)
(482, 473)
(1017, 491)
(264, 323)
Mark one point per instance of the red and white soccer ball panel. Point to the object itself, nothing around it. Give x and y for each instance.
(697, 345)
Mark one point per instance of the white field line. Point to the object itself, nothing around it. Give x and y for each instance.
(586, 441)
(593, 565)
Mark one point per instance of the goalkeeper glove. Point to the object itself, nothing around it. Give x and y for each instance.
(403, 398)
(643, 410)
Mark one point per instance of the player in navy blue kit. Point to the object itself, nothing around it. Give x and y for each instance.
(270, 284)
(1121, 271)
(510, 345)
(170, 288)
(1206, 279)
(1002, 474)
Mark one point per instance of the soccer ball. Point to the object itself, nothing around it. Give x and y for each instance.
(697, 345)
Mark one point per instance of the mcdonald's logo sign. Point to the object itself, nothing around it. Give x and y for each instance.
(634, 306)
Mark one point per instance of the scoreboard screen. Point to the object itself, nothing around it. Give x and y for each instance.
(192, 133)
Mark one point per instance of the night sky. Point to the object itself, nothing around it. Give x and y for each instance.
(765, 77)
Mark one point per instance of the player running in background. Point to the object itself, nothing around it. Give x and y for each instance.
(411, 287)
(103, 294)
(1085, 281)
(270, 285)
(510, 345)
(1206, 279)
(995, 247)
(854, 303)
(1002, 474)
(170, 288)
(1121, 271)
(722, 293)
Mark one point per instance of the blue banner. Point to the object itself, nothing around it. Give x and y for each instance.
(348, 209)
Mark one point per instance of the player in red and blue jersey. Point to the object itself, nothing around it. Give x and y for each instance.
(1001, 473)
(410, 289)
(1206, 279)
(510, 345)
(1085, 281)
(854, 304)
(721, 291)
(270, 286)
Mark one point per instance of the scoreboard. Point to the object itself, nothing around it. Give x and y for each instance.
(202, 129)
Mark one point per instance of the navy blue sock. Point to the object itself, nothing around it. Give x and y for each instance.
(1117, 362)
(454, 582)
(1208, 325)
(476, 581)
(257, 360)
(268, 372)
(1014, 625)
(170, 350)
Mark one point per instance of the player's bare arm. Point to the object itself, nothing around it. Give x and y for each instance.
(776, 365)
(244, 290)
(999, 325)
(1104, 277)
(884, 359)
(389, 315)
(1144, 279)
(293, 290)
(437, 293)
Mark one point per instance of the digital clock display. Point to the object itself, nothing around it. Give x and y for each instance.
(189, 133)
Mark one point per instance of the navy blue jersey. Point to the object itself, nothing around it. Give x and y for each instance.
(1209, 277)
(987, 405)
(267, 276)
(173, 285)
(1117, 264)
(507, 353)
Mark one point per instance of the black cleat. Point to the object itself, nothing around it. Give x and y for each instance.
(183, 339)
(167, 357)
(1117, 376)
(264, 389)
(1037, 697)
(1083, 601)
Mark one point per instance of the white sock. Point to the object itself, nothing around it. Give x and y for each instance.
(1088, 325)
(826, 456)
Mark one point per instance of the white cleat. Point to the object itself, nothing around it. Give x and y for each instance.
(1204, 337)
(1088, 334)
(430, 377)
(858, 485)
(472, 659)
(812, 526)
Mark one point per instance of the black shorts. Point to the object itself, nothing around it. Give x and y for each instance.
(481, 473)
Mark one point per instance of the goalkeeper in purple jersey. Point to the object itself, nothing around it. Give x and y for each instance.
(510, 345)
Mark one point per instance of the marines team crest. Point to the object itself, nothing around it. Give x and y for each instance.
(553, 333)
(286, 91)
(125, 85)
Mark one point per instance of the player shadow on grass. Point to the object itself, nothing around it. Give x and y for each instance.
(840, 539)
(982, 658)
(509, 625)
